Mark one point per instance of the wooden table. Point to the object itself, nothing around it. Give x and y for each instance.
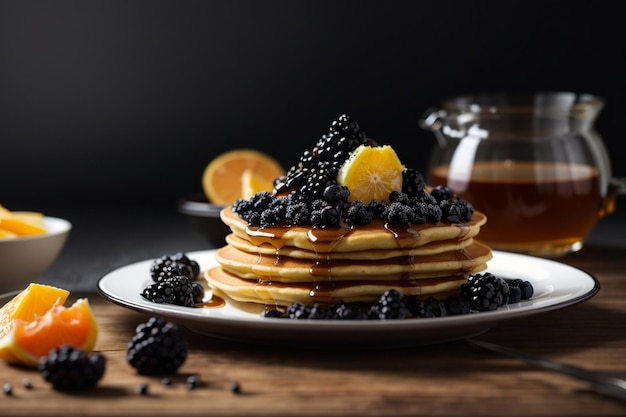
(444, 379)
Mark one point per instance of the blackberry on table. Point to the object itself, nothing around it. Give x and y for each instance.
(156, 348)
(71, 369)
(177, 290)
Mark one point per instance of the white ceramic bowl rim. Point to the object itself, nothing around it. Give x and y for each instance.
(53, 225)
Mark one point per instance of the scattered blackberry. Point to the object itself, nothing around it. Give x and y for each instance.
(141, 388)
(70, 369)
(177, 290)
(485, 292)
(391, 305)
(193, 382)
(156, 348)
(235, 388)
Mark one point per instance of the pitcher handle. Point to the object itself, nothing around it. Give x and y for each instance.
(433, 120)
(617, 186)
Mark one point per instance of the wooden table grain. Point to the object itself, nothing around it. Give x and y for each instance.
(435, 380)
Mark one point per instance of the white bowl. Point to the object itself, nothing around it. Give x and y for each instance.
(24, 259)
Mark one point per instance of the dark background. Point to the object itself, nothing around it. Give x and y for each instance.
(126, 102)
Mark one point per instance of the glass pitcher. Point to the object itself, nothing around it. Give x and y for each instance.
(532, 162)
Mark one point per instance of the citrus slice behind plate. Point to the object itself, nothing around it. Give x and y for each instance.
(223, 178)
(371, 173)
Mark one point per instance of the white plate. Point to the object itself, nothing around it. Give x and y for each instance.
(556, 285)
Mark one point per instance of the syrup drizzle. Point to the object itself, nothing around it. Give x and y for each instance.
(323, 287)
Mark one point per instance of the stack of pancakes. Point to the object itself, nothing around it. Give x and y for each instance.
(281, 265)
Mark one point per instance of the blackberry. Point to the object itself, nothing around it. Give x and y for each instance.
(198, 292)
(391, 305)
(456, 306)
(412, 182)
(317, 168)
(327, 216)
(177, 290)
(358, 214)
(335, 193)
(345, 311)
(298, 311)
(178, 261)
(274, 313)
(71, 369)
(320, 312)
(156, 348)
(457, 211)
(524, 288)
(298, 213)
(441, 193)
(399, 213)
(432, 307)
(485, 292)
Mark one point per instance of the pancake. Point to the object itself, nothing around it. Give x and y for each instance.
(373, 236)
(282, 294)
(427, 249)
(288, 269)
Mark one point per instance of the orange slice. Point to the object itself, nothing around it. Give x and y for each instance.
(35, 300)
(30, 340)
(222, 179)
(20, 223)
(371, 173)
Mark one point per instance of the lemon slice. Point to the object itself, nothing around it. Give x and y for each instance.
(371, 173)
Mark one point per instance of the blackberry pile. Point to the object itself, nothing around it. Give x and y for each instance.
(175, 281)
(70, 369)
(156, 348)
(309, 193)
(482, 292)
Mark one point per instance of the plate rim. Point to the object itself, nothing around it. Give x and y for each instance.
(190, 319)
